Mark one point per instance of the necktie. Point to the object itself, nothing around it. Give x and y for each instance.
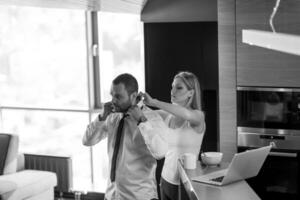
(116, 149)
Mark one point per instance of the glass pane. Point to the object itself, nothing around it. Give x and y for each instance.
(54, 133)
(43, 57)
(121, 49)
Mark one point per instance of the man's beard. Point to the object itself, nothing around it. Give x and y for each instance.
(120, 109)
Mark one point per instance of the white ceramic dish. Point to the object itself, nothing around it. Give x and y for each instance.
(211, 158)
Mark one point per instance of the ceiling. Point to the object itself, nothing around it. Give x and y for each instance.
(123, 6)
(120, 6)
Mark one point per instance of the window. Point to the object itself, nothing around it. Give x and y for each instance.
(44, 81)
(53, 133)
(43, 58)
(121, 51)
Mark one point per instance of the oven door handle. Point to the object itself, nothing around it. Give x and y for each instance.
(272, 137)
(283, 154)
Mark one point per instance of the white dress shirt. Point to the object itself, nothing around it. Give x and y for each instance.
(136, 163)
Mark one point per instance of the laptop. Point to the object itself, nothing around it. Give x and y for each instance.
(243, 165)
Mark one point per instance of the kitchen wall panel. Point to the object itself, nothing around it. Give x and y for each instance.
(227, 78)
(258, 66)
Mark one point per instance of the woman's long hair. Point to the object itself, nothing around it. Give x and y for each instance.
(192, 83)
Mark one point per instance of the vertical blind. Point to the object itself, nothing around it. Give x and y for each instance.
(93, 5)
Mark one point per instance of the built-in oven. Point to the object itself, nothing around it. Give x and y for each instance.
(272, 116)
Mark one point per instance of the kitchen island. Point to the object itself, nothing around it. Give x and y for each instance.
(198, 191)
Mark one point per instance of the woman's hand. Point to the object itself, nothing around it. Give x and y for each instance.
(148, 100)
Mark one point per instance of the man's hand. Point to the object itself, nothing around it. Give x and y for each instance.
(136, 113)
(108, 109)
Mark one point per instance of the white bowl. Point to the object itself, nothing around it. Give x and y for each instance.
(211, 158)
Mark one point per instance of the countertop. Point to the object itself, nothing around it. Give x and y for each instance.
(197, 191)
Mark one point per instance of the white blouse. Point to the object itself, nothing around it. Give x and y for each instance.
(185, 139)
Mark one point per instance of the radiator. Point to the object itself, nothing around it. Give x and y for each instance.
(62, 166)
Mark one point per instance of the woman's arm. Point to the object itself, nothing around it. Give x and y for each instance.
(195, 117)
(162, 113)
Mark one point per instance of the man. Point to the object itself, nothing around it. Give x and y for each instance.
(133, 142)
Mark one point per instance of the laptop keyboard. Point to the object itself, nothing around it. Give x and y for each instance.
(218, 179)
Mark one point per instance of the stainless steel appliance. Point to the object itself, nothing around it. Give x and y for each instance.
(272, 115)
(268, 115)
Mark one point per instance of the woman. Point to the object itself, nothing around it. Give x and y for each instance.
(186, 119)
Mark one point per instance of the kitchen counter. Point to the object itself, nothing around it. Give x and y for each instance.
(197, 191)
